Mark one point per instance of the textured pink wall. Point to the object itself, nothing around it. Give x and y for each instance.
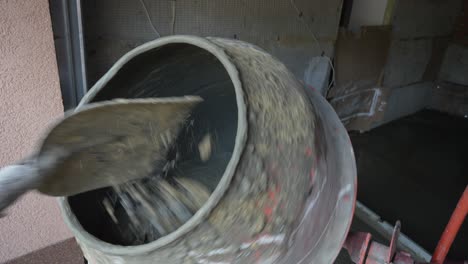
(29, 100)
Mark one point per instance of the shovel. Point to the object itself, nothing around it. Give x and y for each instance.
(100, 145)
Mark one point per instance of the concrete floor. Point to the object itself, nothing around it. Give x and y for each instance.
(415, 169)
(65, 252)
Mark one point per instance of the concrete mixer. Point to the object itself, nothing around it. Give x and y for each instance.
(281, 170)
(288, 189)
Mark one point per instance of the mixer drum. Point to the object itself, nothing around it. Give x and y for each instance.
(287, 189)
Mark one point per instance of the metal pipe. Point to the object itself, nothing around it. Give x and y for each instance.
(451, 229)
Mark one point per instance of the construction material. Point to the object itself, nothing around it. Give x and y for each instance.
(145, 210)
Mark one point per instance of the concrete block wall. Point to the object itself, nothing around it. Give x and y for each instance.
(421, 30)
(286, 30)
(407, 61)
(450, 94)
(403, 65)
(454, 67)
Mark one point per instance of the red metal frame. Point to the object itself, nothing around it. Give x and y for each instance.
(363, 250)
(357, 244)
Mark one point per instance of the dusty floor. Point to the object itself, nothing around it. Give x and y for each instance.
(415, 169)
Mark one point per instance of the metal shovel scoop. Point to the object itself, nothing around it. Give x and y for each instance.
(100, 145)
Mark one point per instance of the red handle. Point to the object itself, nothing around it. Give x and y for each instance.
(451, 229)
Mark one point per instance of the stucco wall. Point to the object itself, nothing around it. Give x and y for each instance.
(29, 100)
